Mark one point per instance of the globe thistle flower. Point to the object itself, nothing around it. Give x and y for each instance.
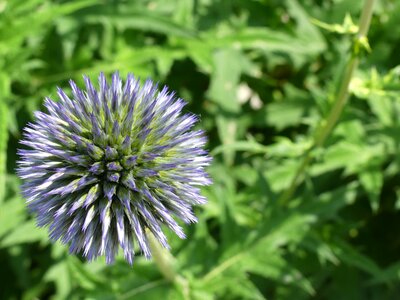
(106, 165)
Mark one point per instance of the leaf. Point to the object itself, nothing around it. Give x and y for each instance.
(5, 86)
(247, 146)
(79, 272)
(284, 147)
(348, 27)
(140, 20)
(32, 21)
(149, 290)
(227, 131)
(3, 146)
(372, 181)
(228, 66)
(12, 213)
(353, 157)
(382, 107)
(325, 254)
(265, 39)
(327, 205)
(290, 110)
(263, 244)
(274, 266)
(279, 174)
(26, 232)
(351, 256)
(390, 274)
(281, 230)
(233, 285)
(306, 30)
(59, 274)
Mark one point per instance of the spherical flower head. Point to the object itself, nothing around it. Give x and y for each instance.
(106, 166)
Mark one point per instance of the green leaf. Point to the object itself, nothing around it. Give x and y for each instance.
(280, 173)
(348, 27)
(274, 266)
(228, 66)
(265, 243)
(306, 30)
(29, 20)
(27, 232)
(150, 290)
(233, 285)
(3, 147)
(5, 84)
(265, 39)
(388, 275)
(78, 271)
(140, 20)
(59, 274)
(227, 131)
(314, 243)
(327, 205)
(372, 181)
(351, 256)
(353, 157)
(247, 146)
(12, 213)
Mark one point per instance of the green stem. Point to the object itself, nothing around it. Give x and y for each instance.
(342, 96)
(365, 19)
(165, 263)
(162, 258)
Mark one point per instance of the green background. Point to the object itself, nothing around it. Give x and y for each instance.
(261, 75)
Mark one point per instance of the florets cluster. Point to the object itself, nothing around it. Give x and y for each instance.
(107, 165)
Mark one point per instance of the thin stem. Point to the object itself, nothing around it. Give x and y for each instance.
(365, 19)
(165, 263)
(342, 96)
(288, 193)
(163, 258)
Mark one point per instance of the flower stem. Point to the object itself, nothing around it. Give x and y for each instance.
(326, 126)
(165, 263)
(162, 258)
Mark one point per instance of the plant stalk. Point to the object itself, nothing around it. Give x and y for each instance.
(326, 127)
(162, 258)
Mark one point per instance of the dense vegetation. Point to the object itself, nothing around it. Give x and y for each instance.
(263, 75)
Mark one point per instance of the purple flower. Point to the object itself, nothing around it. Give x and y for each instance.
(106, 165)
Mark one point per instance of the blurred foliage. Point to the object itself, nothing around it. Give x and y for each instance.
(261, 74)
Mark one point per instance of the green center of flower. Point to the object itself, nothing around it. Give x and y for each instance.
(113, 166)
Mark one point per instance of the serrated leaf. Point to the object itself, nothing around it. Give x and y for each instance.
(272, 234)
